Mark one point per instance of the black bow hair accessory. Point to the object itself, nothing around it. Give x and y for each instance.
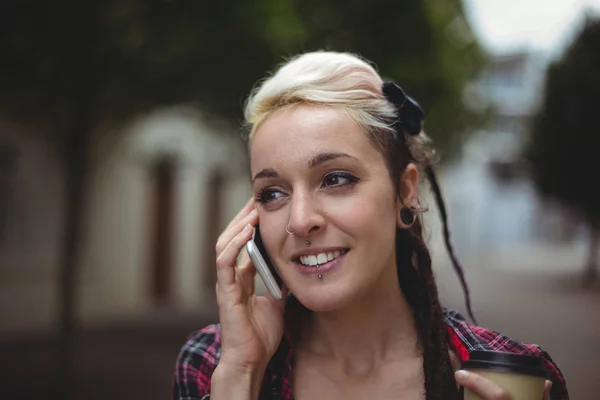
(410, 114)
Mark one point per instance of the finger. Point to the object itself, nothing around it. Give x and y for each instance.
(246, 272)
(249, 218)
(243, 258)
(483, 387)
(547, 390)
(227, 259)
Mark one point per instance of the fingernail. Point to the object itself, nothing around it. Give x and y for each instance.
(247, 228)
(253, 213)
(462, 374)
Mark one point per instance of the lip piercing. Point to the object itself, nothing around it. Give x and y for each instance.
(307, 242)
(288, 230)
(320, 276)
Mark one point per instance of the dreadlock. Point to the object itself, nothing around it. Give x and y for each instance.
(457, 267)
(415, 274)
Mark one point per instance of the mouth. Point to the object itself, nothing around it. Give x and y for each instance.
(318, 259)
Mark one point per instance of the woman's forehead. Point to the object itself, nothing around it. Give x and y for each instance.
(306, 130)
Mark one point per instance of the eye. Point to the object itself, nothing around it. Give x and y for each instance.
(267, 195)
(338, 179)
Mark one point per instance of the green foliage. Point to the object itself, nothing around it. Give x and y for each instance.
(425, 46)
(129, 55)
(566, 134)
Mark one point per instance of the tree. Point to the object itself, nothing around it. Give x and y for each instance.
(69, 67)
(425, 46)
(72, 66)
(566, 135)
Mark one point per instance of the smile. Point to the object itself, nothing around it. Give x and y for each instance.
(315, 260)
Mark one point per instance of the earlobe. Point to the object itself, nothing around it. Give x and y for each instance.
(408, 215)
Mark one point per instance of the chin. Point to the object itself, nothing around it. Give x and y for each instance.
(324, 298)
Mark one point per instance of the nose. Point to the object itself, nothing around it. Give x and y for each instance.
(305, 217)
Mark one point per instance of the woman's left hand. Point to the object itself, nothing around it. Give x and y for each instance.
(487, 389)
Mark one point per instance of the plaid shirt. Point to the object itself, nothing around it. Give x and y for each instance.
(200, 355)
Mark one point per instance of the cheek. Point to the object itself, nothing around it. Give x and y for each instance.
(269, 232)
(370, 214)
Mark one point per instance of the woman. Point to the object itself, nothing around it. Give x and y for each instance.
(336, 156)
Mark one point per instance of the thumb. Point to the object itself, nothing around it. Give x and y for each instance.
(547, 390)
(246, 272)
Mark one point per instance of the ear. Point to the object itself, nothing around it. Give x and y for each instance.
(409, 189)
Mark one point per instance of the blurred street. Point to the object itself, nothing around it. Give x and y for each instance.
(126, 361)
(537, 296)
(541, 301)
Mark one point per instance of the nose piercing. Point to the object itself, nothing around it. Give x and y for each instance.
(288, 230)
(307, 242)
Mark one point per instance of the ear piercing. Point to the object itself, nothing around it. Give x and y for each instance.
(408, 214)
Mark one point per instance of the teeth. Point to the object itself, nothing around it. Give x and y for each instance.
(320, 258)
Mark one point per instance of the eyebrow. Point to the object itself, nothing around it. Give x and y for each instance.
(324, 157)
(266, 173)
(313, 162)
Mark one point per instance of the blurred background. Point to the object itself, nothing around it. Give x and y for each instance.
(121, 161)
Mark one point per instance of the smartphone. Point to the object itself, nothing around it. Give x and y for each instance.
(263, 265)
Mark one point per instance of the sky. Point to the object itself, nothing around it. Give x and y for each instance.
(543, 25)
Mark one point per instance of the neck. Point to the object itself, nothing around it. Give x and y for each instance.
(377, 326)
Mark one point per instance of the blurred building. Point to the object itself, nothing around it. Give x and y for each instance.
(160, 193)
(493, 205)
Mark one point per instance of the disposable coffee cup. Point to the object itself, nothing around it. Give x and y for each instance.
(522, 376)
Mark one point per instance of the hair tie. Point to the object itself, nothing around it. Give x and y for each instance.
(410, 114)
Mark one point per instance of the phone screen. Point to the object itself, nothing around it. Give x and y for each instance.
(263, 252)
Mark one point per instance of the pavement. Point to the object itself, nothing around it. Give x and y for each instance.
(532, 297)
(132, 360)
(536, 296)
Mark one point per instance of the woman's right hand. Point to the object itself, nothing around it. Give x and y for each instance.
(251, 326)
(487, 389)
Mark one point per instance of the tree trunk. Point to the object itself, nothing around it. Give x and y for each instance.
(75, 120)
(76, 165)
(591, 273)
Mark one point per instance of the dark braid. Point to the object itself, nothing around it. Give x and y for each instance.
(418, 285)
(415, 273)
(457, 267)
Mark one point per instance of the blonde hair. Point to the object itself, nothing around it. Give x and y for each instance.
(341, 80)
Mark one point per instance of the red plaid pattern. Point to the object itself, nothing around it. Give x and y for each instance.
(200, 355)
